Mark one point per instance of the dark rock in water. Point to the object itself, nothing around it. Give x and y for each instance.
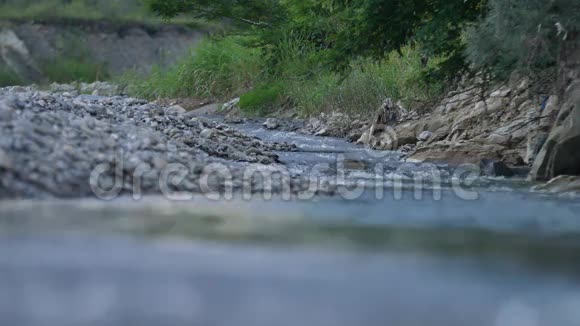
(355, 135)
(271, 124)
(495, 168)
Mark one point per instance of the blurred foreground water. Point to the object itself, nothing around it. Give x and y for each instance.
(509, 258)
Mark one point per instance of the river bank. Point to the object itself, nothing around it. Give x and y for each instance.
(64, 143)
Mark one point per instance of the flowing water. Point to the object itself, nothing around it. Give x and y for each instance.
(382, 254)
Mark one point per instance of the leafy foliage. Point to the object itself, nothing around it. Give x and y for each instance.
(346, 29)
(504, 40)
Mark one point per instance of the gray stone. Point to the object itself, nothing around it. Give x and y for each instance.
(534, 144)
(175, 110)
(206, 133)
(231, 105)
(6, 110)
(560, 154)
(560, 184)
(271, 124)
(54, 146)
(5, 161)
(322, 132)
(425, 136)
(495, 168)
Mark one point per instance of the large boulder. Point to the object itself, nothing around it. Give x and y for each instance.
(560, 155)
(560, 184)
(456, 153)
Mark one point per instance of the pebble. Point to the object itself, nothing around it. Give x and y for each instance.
(6, 111)
(175, 110)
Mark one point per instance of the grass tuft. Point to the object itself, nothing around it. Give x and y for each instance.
(262, 99)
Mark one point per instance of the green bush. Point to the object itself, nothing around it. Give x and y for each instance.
(521, 35)
(262, 99)
(399, 76)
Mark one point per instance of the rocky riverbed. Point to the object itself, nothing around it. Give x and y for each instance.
(51, 142)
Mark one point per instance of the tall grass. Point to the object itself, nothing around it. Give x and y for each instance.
(293, 74)
(216, 69)
(366, 85)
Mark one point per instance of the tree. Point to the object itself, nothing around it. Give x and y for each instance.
(347, 29)
(521, 35)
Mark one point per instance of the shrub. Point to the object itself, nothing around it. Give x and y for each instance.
(399, 76)
(520, 35)
(262, 99)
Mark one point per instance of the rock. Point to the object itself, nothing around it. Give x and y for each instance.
(6, 110)
(407, 133)
(501, 92)
(560, 154)
(535, 142)
(385, 140)
(495, 168)
(233, 119)
(209, 109)
(54, 146)
(390, 113)
(175, 110)
(206, 133)
(322, 132)
(498, 139)
(231, 105)
(271, 124)
(355, 134)
(425, 136)
(365, 138)
(560, 184)
(513, 157)
(5, 161)
(457, 152)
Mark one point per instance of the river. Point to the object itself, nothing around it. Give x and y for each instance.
(394, 256)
